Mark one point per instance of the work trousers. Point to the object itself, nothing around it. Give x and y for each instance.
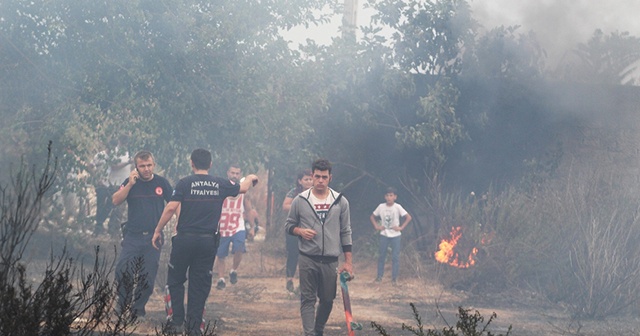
(136, 271)
(193, 254)
(292, 255)
(103, 206)
(318, 282)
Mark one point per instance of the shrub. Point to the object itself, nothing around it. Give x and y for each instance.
(68, 298)
(573, 240)
(467, 325)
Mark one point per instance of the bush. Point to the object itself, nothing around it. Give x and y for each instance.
(467, 325)
(573, 240)
(68, 299)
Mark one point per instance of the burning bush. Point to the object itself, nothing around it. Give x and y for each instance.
(448, 252)
(573, 241)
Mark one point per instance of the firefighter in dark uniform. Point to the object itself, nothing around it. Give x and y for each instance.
(146, 194)
(199, 198)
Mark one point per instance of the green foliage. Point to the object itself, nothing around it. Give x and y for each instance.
(604, 59)
(385, 106)
(439, 127)
(467, 325)
(435, 96)
(504, 53)
(171, 76)
(461, 108)
(428, 35)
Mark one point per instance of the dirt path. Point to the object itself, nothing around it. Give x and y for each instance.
(260, 305)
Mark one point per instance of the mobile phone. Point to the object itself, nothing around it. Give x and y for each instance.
(135, 178)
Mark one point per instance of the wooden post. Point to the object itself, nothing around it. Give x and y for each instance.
(350, 19)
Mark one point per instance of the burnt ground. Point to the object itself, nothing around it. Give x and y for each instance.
(260, 305)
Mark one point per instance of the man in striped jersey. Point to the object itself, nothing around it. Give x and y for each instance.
(236, 213)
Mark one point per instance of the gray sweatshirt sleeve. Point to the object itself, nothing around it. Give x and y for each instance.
(293, 217)
(345, 226)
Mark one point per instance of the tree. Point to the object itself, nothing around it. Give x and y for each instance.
(172, 76)
(428, 36)
(604, 59)
(505, 53)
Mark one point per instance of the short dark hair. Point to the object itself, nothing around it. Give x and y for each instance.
(201, 159)
(392, 190)
(233, 165)
(142, 155)
(321, 165)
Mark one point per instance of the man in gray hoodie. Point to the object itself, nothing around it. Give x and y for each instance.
(319, 217)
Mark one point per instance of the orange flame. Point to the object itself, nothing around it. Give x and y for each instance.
(447, 255)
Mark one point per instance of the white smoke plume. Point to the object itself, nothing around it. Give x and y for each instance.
(560, 24)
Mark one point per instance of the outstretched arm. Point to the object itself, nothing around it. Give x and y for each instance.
(169, 210)
(248, 182)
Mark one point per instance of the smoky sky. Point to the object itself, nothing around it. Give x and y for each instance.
(560, 24)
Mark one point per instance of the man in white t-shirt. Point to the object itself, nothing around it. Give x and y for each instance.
(386, 219)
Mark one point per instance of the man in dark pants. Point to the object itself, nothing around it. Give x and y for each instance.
(199, 198)
(146, 194)
(320, 219)
(100, 171)
(110, 168)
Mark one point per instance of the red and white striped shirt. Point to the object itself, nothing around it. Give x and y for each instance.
(232, 216)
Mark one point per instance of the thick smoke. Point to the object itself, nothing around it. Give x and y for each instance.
(560, 25)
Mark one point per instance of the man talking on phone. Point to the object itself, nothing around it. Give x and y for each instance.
(146, 194)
